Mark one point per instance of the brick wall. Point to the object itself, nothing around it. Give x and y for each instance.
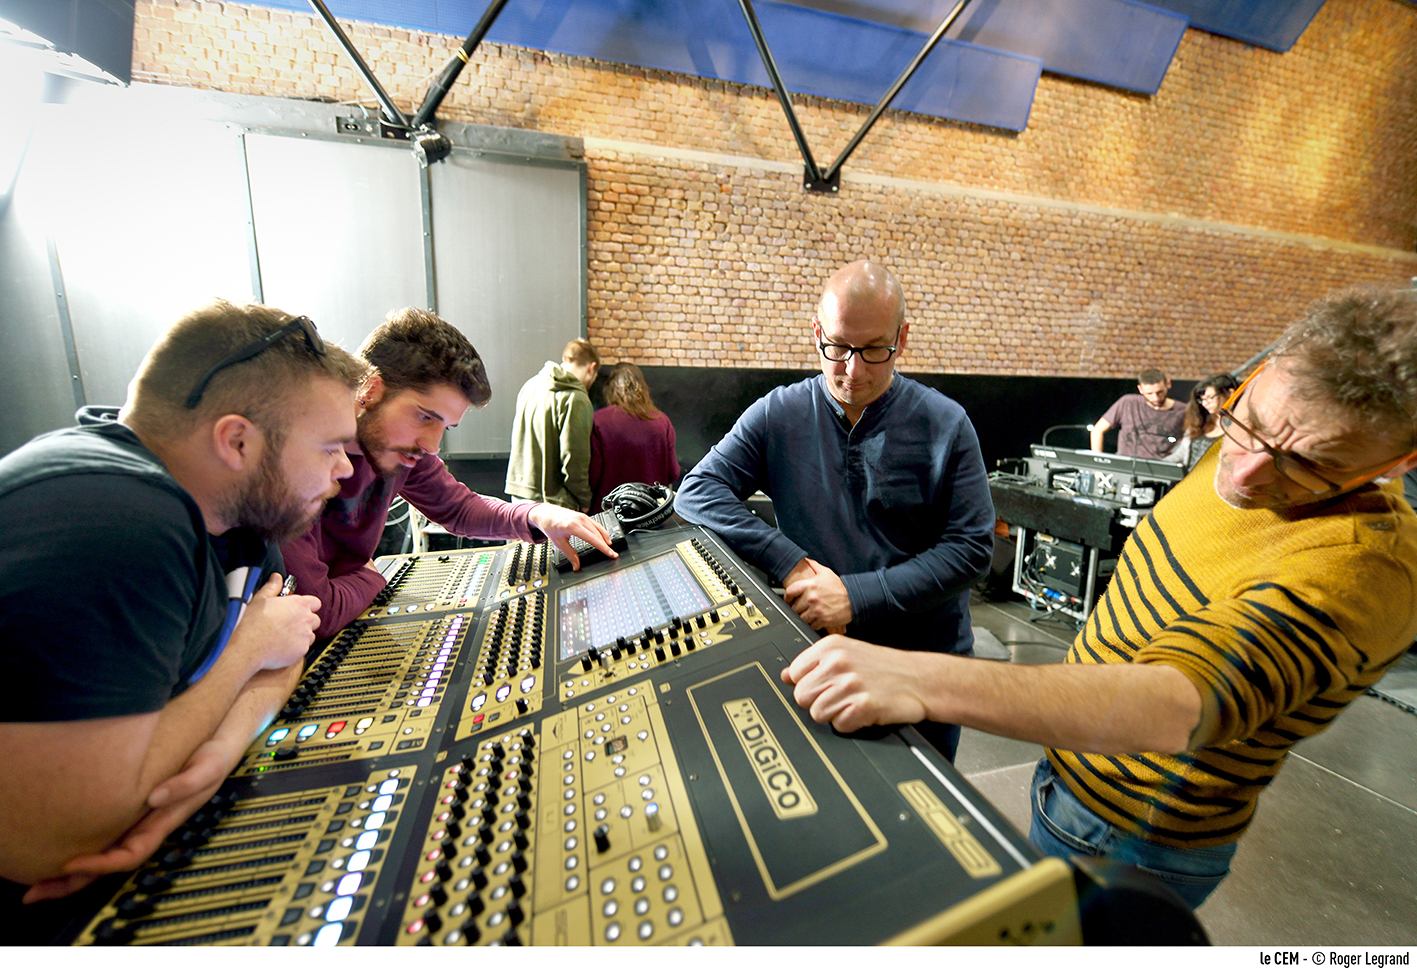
(1118, 231)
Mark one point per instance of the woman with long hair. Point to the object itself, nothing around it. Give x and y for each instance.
(1202, 425)
(631, 441)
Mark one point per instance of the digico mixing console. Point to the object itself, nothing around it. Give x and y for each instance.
(497, 753)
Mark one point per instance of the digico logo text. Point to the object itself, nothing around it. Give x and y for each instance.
(787, 795)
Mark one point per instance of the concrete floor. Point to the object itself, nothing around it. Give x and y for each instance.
(1331, 858)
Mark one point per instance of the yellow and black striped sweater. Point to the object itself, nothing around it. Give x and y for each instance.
(1279, 621)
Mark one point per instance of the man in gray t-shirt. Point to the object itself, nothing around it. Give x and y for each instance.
(1148, 423)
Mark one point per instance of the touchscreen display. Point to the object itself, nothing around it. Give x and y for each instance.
(622, 603)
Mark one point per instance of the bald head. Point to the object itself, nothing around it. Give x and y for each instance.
(863, 286)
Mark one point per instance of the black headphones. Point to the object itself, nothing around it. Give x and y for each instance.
(640, 505)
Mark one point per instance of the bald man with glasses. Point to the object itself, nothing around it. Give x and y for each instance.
(882, 502)
(1270, 588)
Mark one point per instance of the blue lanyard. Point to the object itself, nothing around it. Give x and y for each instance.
(241, 585)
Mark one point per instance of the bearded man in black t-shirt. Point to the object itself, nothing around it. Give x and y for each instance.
(145, 645)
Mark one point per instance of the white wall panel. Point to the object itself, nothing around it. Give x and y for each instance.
(339, 230)
(508, 248)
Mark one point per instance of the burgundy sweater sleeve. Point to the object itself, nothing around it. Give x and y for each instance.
(672, 462)
(446, 501)
(343, 597)
(597, 457)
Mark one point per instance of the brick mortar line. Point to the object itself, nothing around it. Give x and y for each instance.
(645, 150)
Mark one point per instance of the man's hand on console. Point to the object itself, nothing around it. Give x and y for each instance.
(559, 524)
(275, 629)
(818, 596)
(850, 684)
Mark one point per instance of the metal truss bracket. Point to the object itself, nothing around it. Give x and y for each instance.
(820, 182)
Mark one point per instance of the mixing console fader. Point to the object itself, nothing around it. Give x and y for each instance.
(499, 752)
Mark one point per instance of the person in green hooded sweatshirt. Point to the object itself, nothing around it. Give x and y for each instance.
(550, 458)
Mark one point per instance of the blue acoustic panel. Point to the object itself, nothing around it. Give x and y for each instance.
(817, 53)
(1113, 42)
(1275, 24)
(1122, 43)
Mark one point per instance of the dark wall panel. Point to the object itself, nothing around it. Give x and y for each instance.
(99, 31)
(1008, 412)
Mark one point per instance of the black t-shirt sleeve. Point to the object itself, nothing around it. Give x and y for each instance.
(98, 582)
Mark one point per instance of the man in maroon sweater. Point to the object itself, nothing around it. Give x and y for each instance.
(424, 376)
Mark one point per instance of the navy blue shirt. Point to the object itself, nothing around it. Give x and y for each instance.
(898, 505)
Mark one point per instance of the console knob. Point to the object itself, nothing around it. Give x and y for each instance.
(110, 933)
(132, 906)
(153, 882)
(602, 837)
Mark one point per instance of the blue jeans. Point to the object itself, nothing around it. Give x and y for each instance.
(1064, 826)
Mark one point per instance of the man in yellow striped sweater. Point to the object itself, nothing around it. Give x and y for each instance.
(1273, 585)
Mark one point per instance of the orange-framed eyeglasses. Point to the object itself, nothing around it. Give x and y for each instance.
(1297, 470)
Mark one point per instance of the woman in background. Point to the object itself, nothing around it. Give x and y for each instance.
(1202, 427)
(631, 441)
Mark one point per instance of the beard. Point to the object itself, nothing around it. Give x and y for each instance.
(376, 445)
(266, 505)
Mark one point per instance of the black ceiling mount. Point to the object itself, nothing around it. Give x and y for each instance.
(429, 145)
(815, 179)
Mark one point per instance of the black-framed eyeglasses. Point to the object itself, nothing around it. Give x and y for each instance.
(301, 324)
(1300, 472)
(870, 354)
